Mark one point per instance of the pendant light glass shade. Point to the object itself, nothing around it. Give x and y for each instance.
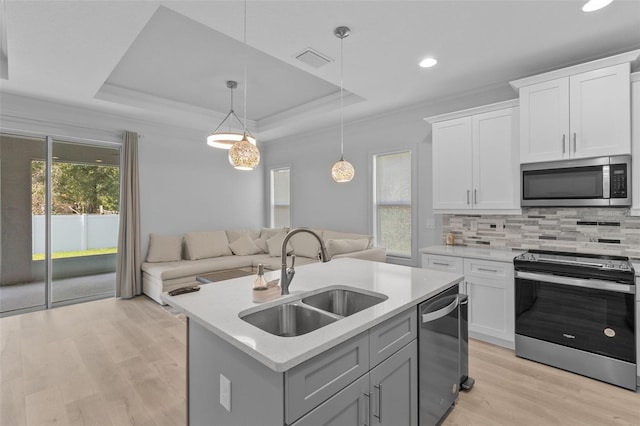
(244, 155)
(342, 171)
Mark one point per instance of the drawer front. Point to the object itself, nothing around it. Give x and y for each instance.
(313, 382)
(443, 263)
(488, 268)
(387, 338)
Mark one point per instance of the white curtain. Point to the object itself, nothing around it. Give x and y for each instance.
(128, 276)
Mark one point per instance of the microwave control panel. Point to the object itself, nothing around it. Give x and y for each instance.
(618, 181)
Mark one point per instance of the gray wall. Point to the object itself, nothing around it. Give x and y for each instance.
(185, 185)
(319, 202)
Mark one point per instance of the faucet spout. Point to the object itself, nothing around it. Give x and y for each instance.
(287, 273)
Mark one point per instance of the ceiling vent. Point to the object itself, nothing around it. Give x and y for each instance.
(313, 58)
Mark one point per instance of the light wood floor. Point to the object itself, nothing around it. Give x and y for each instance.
(122, 362)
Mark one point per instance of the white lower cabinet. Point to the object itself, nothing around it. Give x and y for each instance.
(490, 287)
(387, 395)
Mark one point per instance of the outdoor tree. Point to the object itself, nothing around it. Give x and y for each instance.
(77, 188)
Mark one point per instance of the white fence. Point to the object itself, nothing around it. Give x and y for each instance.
(75, 232)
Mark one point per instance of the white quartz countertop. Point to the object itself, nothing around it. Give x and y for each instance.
(506, 255)
(217, 305)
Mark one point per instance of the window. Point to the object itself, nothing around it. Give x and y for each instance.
(392, 202)
(280, 197)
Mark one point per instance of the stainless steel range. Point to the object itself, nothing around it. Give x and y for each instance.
(576, 312)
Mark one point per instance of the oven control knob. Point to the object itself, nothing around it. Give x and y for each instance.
(624, 266)
(608, 265)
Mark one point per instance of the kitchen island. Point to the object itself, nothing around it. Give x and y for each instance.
(239, 374)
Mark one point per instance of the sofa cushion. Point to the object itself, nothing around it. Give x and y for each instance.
(184, 268)
(244, 246)
(305, 245)
(342, 246)
(164, 248)
(335, 235)
(203, 245)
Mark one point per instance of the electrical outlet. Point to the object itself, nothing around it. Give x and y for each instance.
(430, 223)
(474, 225)
(225, 392)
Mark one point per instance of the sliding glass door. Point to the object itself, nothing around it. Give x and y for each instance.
(22, 203)
(59, 227)
(85, 187)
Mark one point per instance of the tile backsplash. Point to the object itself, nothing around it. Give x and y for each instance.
(586, 230)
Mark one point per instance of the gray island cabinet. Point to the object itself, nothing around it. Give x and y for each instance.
(359, 370)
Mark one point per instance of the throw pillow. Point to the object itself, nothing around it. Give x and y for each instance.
(203, 245)
(274, 245)
(305, 245)
(244, 246)
(164, 248)
(335, 247)
(234, 234)
(262, 244)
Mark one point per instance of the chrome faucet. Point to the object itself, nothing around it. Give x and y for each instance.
(287, 273)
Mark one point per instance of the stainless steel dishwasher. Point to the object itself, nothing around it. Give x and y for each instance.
(442, 361)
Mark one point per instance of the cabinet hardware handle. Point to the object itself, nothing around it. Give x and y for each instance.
(441, 263)
(379, 416)
(467, 196)
(487, 270)
(563, 143)
(367, 409)
(475, 196)
(574, 142)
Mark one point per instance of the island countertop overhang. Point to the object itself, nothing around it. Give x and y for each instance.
(217, 305)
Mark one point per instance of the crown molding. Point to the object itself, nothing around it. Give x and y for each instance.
(627, 57)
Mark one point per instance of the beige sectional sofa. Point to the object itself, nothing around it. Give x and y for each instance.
(175, 261)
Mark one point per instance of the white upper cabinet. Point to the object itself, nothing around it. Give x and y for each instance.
(452, 162)
(475, 160)
(495, 160)
(635, 152)
(578, 112)
(544, 121)
(600, 112)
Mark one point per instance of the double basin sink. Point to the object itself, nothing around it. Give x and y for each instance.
(311, 312)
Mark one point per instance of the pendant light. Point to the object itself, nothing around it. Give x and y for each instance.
(342, 171)
(244, 155)
(225, 140)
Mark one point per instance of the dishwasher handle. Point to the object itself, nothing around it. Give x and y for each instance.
(443, 312)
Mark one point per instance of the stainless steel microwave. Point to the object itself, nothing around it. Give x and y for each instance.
(602, 181)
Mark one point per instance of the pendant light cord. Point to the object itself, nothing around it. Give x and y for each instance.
(244, 37)
(341, 99)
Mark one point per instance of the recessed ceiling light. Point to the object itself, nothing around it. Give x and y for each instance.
(593, 5)
(428, 62)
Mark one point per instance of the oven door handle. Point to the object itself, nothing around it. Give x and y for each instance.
(577, 282)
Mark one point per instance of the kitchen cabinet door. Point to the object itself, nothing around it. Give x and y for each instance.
(496, 170)
(452, 163)
(349, 407)
(394, 389)
(489, 286)
(600, 112)
(544, 121)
